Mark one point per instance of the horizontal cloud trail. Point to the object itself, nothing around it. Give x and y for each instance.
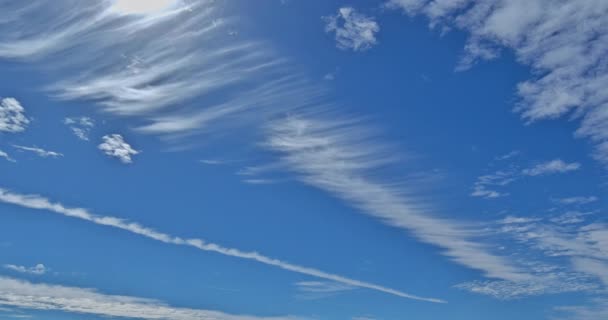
(41, 203)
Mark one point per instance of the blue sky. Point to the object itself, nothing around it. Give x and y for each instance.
(287, 159)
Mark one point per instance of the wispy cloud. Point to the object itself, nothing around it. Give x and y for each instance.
(115, 146)
(564, 44)
(39, 151)
(41, 203)
(565, 253)
(487, 186)
(38, 269)
(321, 289)
(552, 167)
(353, 30)
(577, 200)
(12, 116)
(48, 297)
(178, 72)
(341, 157)
(80, 126)
(6, 156)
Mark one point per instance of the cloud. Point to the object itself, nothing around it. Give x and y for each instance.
(47, 297)
(565, 253)
(41, 203)
(115, 146)
(39, 151)
(551, 167)
(6, 156)
(577, 200)
(321, 289)
(177, 73)
(12, 116)
(353, 30)
(566, 46)
(340, 157)
(80, 126)
(486, 185)
(38, 269)
(597, 309)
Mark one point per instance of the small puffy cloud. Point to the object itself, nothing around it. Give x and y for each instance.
(80, 126)
(6, 156)
(353, 30)
(40, 152)
(551, 167)
(114, 145)
(38, 269)
(12, 116)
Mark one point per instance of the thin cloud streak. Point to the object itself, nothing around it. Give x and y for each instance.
(41, 203)
(46, 297)
(340, 156)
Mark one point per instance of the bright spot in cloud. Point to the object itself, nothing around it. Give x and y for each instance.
(142, 7)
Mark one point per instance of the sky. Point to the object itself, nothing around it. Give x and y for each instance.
(289, 159)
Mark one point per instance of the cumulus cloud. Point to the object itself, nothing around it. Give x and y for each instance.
(115, 146)
(41, 203)
(38, 269)
(551, 167)
(353, 30)
(48, 297)
(80, 126)
(565, 43)
(39, 151)
(12, 116)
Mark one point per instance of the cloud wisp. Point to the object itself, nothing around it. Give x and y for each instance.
(6, 156)
(552, 167)
(177, 72)
(46, 297)
(38, 269)
(340, 158)
(486, 186)
(12, 116)
(41, 203)
(353, 30)
(39, 151)
(80, 126)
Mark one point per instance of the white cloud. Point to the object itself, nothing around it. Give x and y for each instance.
(577, 200)
(47, 297)
(340, 156)
(80, 126)
(572, 250)
(565, 43)
(115, 146)
(40, 152)
(6, 156)
(321, 289)
(38, 269)
(484, 185)
(40, 203)
(177, 72)
(12, 116)
(551, 167)
(353, 30)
